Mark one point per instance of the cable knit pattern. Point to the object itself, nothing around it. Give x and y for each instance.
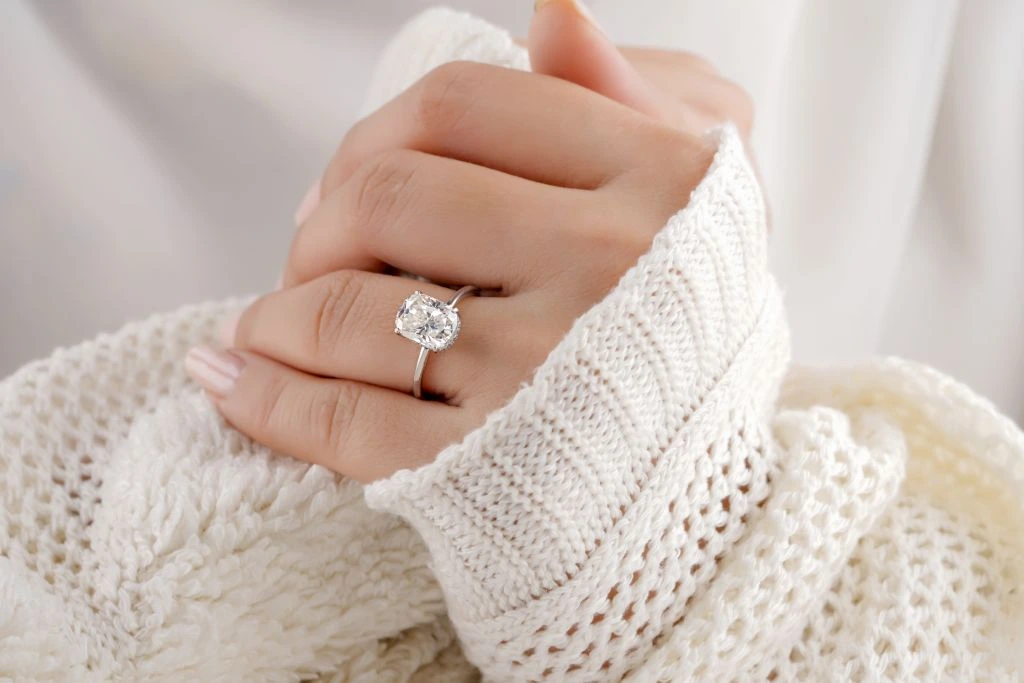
(665, 500)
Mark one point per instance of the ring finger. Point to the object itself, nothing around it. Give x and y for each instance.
(342, 325)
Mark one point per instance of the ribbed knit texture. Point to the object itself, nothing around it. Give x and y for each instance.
(663, 501)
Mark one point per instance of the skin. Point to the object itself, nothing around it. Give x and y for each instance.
(543, 188)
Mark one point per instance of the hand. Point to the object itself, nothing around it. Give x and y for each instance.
(677, 88)
(532, 187)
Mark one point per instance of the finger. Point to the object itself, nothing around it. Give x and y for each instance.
(565, 42)
(695, 82)
(360, 431)
(677, 88)
(660, 66)
(663, 69)
(445, 220)
(524, 124)
(342, 325)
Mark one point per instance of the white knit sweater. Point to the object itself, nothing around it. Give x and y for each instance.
(650, 506)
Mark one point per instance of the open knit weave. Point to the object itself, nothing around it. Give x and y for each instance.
(665, 500)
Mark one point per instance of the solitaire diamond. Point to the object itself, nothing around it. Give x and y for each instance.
(429, 322)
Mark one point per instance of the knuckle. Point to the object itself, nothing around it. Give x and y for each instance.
(380, 189)
(334, 317)
(446, 94)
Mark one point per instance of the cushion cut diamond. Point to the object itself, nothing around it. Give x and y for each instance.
(429, 322)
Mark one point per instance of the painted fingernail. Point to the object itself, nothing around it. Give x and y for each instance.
(308, 203)
(575, 5)
(215, 371)
(227, 332)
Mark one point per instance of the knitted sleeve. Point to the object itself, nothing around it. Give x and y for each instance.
(592, 527)
(631, 504)
(570, 532)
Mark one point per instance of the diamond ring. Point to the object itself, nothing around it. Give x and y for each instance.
(431, 323)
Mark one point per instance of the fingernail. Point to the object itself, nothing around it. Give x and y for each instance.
(280, 283)
(215, 371)
(227, 332)
(308, 203)
(575, 5)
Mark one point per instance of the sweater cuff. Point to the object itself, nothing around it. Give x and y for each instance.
(518, 508)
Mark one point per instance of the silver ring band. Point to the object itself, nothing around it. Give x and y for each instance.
(417, 376)
(421, 360)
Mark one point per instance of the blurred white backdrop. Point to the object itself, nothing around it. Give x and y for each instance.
(152, 154)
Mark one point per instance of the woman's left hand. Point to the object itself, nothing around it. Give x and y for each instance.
(538, 191)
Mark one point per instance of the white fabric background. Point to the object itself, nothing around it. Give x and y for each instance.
(152, 153)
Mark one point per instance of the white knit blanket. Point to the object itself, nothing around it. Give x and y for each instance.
(665, 500)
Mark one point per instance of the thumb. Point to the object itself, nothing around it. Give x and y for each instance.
(565, 41)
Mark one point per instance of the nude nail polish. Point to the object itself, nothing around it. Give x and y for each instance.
(215, 371)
